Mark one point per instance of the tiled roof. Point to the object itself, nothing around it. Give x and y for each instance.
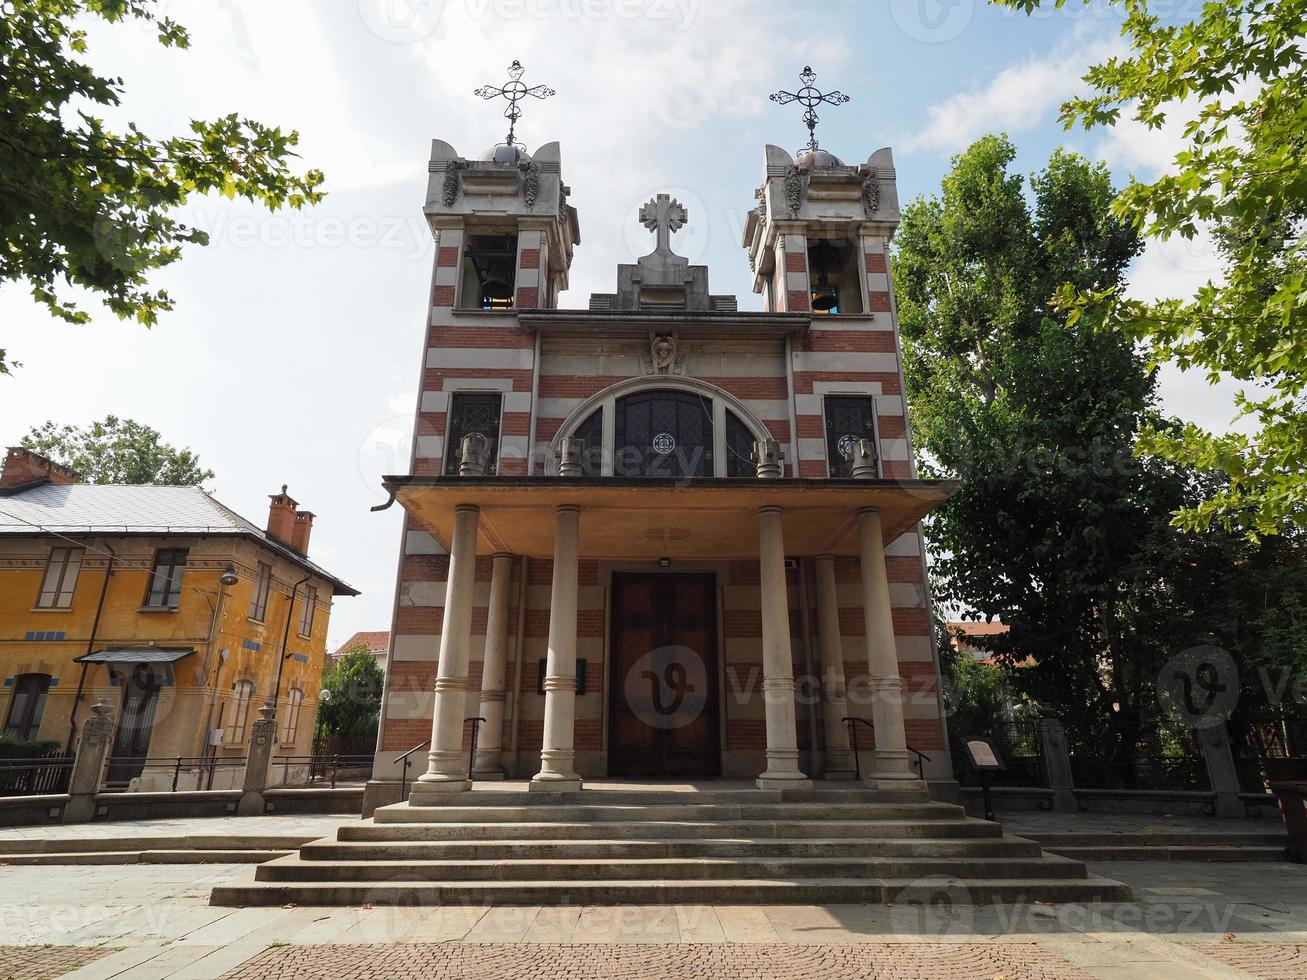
(98, 509)
(377, 641)
(979, 629)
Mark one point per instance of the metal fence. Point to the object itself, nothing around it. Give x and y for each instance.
(315, 770)
(171, 774)
(1159, 773)
(36, 777)
(1266, 741)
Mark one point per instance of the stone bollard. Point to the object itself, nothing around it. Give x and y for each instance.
(1221, 770)
(865, 465)
(263, 734)
(1057, 764)
(88, 766)
(767, 454)
(474, 455)
(569, 453)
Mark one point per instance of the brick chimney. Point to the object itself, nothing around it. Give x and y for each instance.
(303, 528)
(281, 517)
(24, 468)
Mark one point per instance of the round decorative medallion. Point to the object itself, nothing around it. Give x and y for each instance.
(845, 446)
(664, 443)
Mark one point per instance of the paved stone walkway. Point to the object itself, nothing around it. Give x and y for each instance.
(150, 922)
(749, 962)
(45, 962)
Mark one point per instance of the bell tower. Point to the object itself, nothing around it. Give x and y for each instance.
(818, 238)
(504, 231)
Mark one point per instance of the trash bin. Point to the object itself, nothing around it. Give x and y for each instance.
(1293, 807)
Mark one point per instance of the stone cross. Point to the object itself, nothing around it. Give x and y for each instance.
(664, 216)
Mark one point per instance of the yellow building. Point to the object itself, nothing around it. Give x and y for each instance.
(183, 615)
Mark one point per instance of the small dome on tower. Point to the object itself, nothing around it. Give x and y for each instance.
(817, 159)
(506, 153)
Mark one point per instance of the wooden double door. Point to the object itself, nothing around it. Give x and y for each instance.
(663, 701)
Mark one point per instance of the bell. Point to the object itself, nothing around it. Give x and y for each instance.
(496, 289)
(825, 298)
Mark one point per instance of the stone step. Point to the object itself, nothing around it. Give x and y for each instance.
(474, 850)
(1162, 839)
(1212, 853)
(180, 842)
(665, 869)
(668, 828)
(702, 812)
(223, 856)
(630, 797)
(750, 891)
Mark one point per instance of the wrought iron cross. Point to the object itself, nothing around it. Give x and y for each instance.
(514, 91)
(664, 216)
(810, 97)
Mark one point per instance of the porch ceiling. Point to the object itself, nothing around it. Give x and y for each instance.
(666, 518)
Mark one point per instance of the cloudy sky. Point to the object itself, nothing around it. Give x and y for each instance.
(294, 351)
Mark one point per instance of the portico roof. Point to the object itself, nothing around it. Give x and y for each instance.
(651, 517)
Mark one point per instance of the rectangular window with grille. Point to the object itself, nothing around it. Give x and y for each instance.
(166, 579)
(471, 412)
(848, 419)
(306, 611)
(259, 599)
(60, 580)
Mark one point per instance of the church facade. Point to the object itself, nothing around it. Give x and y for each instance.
(660, 537)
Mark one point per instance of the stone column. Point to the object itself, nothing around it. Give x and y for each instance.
(777, 660)
(1057, 764)
(893, 768)
(494, 670)
(839, 759)
(263, 738)
(1221, 770)
(446, 766)
(557, 755)
(88, 766)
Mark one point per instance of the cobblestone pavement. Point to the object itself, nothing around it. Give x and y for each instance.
(638, 962)
(1272, 961)
(45, 962)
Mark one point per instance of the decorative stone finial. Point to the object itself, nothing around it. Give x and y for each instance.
(101, 708)
(569, 454)
(473, 455)
(864, 460)
(769, 458)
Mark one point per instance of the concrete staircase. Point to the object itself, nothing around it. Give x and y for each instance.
(707, 847)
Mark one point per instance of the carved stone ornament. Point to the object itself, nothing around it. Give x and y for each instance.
(794, 190)
(562, 205)
(761, 194)
(531, 184)
(663, 351)
(871, 194)
(449, 191)
(664, 355)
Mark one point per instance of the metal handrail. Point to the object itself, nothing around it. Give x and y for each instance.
(403, 780)
(853, 722)
(476, 724)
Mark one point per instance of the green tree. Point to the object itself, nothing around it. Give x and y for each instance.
(89, 206)
(353, 706)
(1037, 418)
(1060, 529)
(117, 451)
(1238, 73)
